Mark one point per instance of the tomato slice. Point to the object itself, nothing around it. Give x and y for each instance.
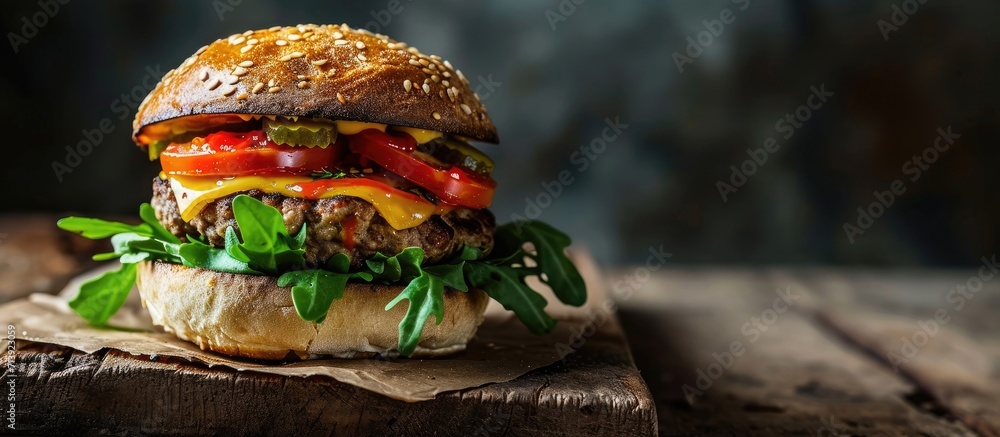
(244, 154)
(396, 153)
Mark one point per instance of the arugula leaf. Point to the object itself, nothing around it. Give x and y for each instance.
(101, 297)
(506, 285)
(148, 215)
(426, 296)
(212, 258)
(313, 291)
(266, 245)
(97, 229)
(403, 266)
(555, 268)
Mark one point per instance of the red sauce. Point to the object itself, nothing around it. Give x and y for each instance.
(349, 225)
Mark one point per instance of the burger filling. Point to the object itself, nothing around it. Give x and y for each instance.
(318, 204)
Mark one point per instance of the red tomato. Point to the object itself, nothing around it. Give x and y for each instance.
(243, 154)
(452, 184)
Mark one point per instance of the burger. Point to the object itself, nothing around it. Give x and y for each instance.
(319, 196)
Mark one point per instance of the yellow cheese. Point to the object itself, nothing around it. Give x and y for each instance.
(401, 210)
(347, 127)
(421, 135)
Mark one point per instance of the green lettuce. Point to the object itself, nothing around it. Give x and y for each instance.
(263, 246)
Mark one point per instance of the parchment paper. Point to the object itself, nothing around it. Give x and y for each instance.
(502, 350)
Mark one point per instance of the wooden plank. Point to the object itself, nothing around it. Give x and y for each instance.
(595, 391)
(795, 379)
(922, 326)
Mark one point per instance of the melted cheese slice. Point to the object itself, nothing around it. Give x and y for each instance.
(400, 209)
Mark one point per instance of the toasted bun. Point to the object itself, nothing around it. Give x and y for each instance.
(250, 316)
(329, 72)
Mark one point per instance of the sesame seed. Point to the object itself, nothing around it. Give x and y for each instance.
(319, 62)
(424, 62)
(454, 91)
(446, 74)
(242, 96)
(341, 98)
(294, 37)
(258, 87)
(238, 40)
(467, 109)
(270, 82)
(281, 42)
(436, 57)
(432, 66)
(362, 57)
(448, 64)
(451, 95)
(302, 29)
(232, 80)
(246, 64)
(331, 72)
(201, 50)
(204, 75)
(482, 116)
(340, 42)
(297, 54)
(445, 83)
(274, 29)
(245, 49)
(407, 85)
(427, 89)
(436, 116)
(337, 35)
(229, 91)
(215, 84)
(285, 58)
(307, 34)
(413, 50)
(239, 71)
(414, 62)
(460, 75)
(367, 171)
(274, 89)
(248, 33)
(441, 94)
(427, 71)
(252, 41)
(476, 96)
(302, 84)
(359, 45)
(435, 78)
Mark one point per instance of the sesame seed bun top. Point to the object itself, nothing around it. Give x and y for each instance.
(331, 72)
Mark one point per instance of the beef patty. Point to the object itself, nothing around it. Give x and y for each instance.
(329, 220)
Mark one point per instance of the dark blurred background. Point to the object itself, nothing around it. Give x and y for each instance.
(552, 72)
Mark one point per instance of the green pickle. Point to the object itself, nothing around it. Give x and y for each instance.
(459, 153)
(301, 133)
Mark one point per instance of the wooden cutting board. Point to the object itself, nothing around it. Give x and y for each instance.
(595, 391)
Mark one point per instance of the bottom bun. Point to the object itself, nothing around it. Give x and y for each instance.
(251, 316)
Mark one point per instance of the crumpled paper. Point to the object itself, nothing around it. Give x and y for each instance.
(502, 350)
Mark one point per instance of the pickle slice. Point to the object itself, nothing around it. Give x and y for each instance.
(301, 133)
(460, 153)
